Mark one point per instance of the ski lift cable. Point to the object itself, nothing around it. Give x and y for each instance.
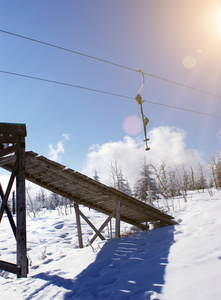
(109, 62)
(107, 93)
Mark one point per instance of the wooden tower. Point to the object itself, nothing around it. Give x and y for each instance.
(12, 148)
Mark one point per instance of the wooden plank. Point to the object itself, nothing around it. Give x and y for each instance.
(50, 163)
(7, 160)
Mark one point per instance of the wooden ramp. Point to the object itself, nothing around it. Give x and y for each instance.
(86, 191)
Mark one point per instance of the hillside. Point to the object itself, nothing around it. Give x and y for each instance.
(171, 263)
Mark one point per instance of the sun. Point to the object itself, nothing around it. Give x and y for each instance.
(217, 20)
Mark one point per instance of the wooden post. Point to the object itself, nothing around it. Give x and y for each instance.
(111, 228)
(117, 224)
(21, 211)
(78, 221)
(13, 203)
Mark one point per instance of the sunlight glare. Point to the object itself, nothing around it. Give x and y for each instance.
(216, 16)
(218, 20)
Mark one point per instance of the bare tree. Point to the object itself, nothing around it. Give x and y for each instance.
(215, 166)
(167, 180)
(192, 184)
(96, 177)
(117, 179)
(201, 183)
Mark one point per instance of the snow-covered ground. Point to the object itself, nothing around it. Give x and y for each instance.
(171, 263)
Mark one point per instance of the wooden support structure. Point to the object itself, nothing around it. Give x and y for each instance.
(79, 214)
(68, 183)
(12, 147)
(78, 221)
(85, 191)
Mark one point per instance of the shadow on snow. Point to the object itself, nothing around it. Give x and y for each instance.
(127, 268)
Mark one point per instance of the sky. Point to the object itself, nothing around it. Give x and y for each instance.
(177, 41)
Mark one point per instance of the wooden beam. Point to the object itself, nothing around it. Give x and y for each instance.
(9, 214)
(9, 139)
(9, 267)
(90, 224)
(8, 150)
(21, 211)
(8, 190)
(13, 129)
(78, 221)
(103, 225)
(7, 160)
(117, 224)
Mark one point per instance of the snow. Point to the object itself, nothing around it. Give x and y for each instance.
(171, 263)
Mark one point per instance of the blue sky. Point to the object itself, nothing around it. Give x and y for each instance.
(155, 36)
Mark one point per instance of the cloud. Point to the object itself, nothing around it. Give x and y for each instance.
(66, 136)
(55, 153)
(166, 144)
(218, 133)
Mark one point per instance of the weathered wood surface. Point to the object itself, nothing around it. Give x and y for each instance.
(13, 129)
(84, 190)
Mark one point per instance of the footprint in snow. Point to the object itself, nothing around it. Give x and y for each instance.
(47, 261)
(35, 267)
(59, 226)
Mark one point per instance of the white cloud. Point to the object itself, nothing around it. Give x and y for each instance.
(55, 153)
(218, 133)
(66, 136)
(166, 145)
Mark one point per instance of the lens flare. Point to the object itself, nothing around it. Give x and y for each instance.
(189, 62)
(132, 125)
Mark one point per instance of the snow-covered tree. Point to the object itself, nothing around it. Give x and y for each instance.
(145, 187)
(167, 180)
